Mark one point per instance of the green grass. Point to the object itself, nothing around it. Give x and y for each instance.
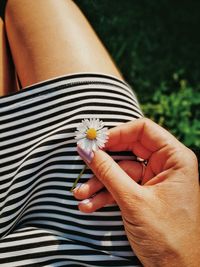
(156, 45)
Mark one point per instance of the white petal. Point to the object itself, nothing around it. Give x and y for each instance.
(102, 135)
(100, 125)
(81, 143)
(87, 123)
(100, 144)
(92, 123)
(103, 130)
(82, 128)
(89, 145)
(94, 146)
(97, 124)
(99, 138)
(80, 136)
(102, 141)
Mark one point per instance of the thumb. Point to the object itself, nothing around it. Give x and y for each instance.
(114, 178)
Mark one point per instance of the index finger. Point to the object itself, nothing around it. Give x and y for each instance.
(143, 132)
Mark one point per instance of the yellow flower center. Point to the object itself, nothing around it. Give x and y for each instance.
(91, 133)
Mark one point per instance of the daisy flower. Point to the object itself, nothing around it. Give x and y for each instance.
(91, 134)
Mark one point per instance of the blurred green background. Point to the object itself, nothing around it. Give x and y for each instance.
(156, 45)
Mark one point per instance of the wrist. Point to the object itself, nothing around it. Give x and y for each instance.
(184, 254)
(187, 254)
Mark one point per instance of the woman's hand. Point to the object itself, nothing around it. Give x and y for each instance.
(162, 215)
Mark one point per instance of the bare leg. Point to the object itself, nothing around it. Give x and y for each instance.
(50, 38)
(7, 72)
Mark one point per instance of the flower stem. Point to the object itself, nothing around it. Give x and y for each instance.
(78, 178)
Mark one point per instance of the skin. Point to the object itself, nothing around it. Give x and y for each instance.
(8, 83)
(51, 38)
(162, 215)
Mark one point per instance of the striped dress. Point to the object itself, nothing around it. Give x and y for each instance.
(40, 224)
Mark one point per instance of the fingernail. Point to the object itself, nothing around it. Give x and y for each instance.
(85, 201)
(86, 155)
(77, 187)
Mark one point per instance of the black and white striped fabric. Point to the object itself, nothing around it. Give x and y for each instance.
(40, 224)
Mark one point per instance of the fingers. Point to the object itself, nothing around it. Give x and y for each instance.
(142, 136)
(90, 201)
(133, 169)
(96, 202)
(114, 178)
(139, 150)
(93, 186)
(88, 189)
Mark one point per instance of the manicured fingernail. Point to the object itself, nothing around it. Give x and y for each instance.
(85, 201)
(77, 187)
(86, 155)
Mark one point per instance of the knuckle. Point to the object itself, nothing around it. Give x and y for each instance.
(192, 156)
(147, 121)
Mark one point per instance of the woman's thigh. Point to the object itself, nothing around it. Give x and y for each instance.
(52, 38)
(7, 72)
